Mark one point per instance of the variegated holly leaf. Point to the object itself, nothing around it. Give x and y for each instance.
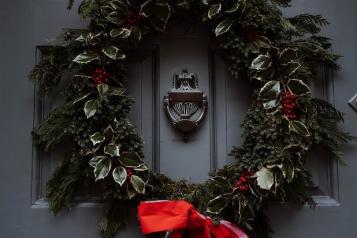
(91, 107)
(287, 55)
(109, 133)
(115, 18)
(214, 10)
(102, 90)
(81, 98)
(216, 205)
(298, 87)
(163, 11)
(120, 32)
(291, 68)
(300, 128)
(138, 184)
(261, 62)
(141, 167)
(288, 170)
(115, 91)
(94, 161)
(131, 159)
(112, 149)
(262, 42)
(223, 27)
(120, 7)
(146, 8)
(102, 168)
(265, 178)
(270, 91)
(120, 175)
(136, 34)
(221, 182)
(113, 52)
(97, 138)
(86, 58)
(271, 104)
(238, 5)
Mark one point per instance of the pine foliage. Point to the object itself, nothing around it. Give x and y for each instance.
(63, 185)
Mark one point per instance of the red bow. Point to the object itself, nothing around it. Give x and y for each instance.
(177, 216)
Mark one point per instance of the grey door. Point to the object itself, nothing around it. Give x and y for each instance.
(23, 172)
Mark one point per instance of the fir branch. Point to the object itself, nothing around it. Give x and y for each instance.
(281, 3)
(55, 127)
(63, 184)
(115, 216)
(307, 23)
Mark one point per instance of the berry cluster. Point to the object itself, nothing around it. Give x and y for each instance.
(100, 76)
(243, 183)
(134, 19)
(289, 105)
(129, 172)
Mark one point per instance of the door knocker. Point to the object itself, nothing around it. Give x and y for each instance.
(185, 104)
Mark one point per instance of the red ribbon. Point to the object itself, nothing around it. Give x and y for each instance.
(177, 216)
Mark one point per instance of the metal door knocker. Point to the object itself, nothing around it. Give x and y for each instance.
(185, 104)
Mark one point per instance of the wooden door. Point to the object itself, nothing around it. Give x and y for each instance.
(23, 172)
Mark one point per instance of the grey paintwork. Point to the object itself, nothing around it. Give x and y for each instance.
(24, 214)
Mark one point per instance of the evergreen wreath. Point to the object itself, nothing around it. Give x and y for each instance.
(278, 54)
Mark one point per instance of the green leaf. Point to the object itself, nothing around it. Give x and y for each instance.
(131, 159)
(299, 127)
(146, 8)
(265, 178)
(270, 91)
(298, 87)
(214, 10)
(138, 184)
(136, 34)
(102, 168)
(120, 32)
(261, 62)
(91, 107)
(97, 138)
(113, 52)
(119, 175)
(223, 27)
(112, 149)
(81, 98)
(102, 89)
(216, 205)
(86, 58)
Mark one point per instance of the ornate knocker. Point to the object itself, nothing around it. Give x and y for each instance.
(185, 104)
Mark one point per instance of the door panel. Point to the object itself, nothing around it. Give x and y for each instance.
(23, 173)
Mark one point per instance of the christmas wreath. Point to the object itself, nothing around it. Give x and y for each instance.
(278, 54)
